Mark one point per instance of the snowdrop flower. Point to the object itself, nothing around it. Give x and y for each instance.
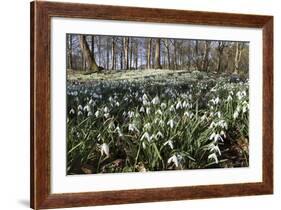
(111, 125)
(222, 133)
(104, 149)
(235, 114)
(144, 97)
(245, 108)
(117, 103)
(131, 114)
(80, 107)
(142, 109)
(174, 160)
(159, 112)
(186, 113)
(217, 100)
(106, 115)
(179, 105)
(147, 110)
(105, 109)
(147, 126)
(146, 136)
(90, 114)
(163, 106)
(172, 108)
(159, 135)
(229, 98)
(133, 128)
(72, 111)
(215, 148)
(161, 123)
(97, 113)
(155, 100)
(171, 123)
(91, 101)
(218, 137)
(170, 143)
(79, 113)
(219, 114)
(120, 134)
(185, 104)
(87, 108)
(214, 157)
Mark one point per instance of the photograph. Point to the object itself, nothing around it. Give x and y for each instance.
(141, 104)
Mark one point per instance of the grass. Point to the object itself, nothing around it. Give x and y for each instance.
(152, 120)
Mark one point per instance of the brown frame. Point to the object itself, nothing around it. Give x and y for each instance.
(41, 14)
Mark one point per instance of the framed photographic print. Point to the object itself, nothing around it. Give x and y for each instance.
(139, 105)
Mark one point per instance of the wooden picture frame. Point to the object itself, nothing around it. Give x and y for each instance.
(41, 14)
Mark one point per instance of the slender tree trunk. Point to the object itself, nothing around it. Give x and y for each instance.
(238, 52)
(93, 46)
(136, 56)
(206, 56)
(90, 61)
(69, 52)
(148, 62)
(197, 56)
(157, 54)
(175, 54)
(126, 52)
(131, 53)
(113, 54)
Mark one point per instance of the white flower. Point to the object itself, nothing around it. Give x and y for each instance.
(87, 108)
(142, 109)
(147, 110)
(218, 137)
(146, 136)
(105, 109)
(214, 157)
(133, 128)
(91, 101)
(104, 149)
(131, 114)
(179, 105)
(147, 126)
(170, 143)
(172, 108)
(174, 160)
(159, 134)
(159, 112)
(186, 114)
(245, 108)
(229, 98)
(97, 113)
(171, 123)
(155, 100)
(120, 134)
(90, 114)
(144, 97)
(106, 115)
(80, 113)
(80, 107)
(235, 115)
(72, 111)
(215, 148)
(163, 106)
(117, 103)
(219, 114)
(185, 104)
(161, 123)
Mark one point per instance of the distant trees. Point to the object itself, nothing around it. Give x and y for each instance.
(94, 52)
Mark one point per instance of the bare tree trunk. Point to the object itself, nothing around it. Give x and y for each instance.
(148, 62)
(197, 56)
(238, 52)
(136, 55)
(157, 54)
(131, 53)
(93, 45)
(90, 61)
(175, 54)
(206, 56)
(126, 54)
(167, 45)
(113, 53)
(220, 50)
(69, 52)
